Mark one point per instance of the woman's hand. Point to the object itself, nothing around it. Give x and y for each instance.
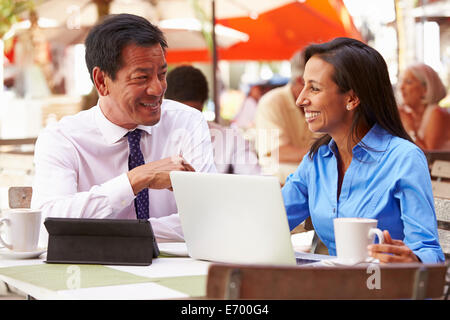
(392, 251)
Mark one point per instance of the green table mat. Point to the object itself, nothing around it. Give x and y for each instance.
(66, 276)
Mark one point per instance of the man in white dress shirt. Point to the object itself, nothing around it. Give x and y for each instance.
(232, 153)
(82, 161)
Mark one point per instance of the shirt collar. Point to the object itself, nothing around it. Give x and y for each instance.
(111, 132)
(374, 143)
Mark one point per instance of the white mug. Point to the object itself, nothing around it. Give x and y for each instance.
(352, 236)
(22, 228)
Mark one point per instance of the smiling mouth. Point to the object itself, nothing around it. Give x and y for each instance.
(152, 106)
(311, 115)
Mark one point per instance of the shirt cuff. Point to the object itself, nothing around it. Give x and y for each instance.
(430, 256)
(118, 191)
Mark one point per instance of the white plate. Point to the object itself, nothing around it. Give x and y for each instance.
(8, 254)
(336, 262)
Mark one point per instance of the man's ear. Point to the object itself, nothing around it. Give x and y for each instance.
(352, 100)
(100, 81)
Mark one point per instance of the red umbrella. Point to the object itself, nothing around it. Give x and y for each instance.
(278, 33)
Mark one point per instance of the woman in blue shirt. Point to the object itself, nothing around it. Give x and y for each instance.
(365, 164)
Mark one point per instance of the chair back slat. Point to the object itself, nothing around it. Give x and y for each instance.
(19, 197)
(399, 281)
(441, 169)
(442, 207)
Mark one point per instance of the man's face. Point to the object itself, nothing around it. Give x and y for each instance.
(135, 96)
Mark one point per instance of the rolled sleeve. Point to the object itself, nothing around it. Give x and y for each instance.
(295, 196)
(417, 209)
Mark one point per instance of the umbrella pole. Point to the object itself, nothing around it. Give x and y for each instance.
(214, 69)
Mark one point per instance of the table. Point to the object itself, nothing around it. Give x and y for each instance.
(168, 277)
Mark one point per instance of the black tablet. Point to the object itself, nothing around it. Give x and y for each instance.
(100, 241)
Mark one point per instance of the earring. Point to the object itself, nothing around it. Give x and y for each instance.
(348, 107)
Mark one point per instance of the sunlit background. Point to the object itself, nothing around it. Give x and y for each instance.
(45, 77)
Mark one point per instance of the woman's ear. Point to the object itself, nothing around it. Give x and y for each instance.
(100, 81)
(352, 101)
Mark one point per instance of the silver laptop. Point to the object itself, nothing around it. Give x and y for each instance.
(233, 218)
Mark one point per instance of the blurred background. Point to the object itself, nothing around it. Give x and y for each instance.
(237, 45)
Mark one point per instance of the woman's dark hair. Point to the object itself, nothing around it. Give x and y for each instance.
(362, 69)
(106, 40)
(186, 83)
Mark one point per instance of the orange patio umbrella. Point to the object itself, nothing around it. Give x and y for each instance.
(278, 33)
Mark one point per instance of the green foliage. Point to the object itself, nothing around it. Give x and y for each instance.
(205, 21)
(10, 11)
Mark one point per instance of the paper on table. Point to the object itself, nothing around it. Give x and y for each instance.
(136, 291)
(166, 288)
(194, 286)
(177, 249)
(160, 268)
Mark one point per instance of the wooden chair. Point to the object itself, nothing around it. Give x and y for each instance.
(19, 197)
(433, 155)
(440, 172)
(18, 146)
(396, 281)
(442, 207)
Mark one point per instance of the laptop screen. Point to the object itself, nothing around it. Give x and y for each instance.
(233, 218)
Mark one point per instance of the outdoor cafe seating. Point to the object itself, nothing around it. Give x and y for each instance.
(260, 38)
(234, 281)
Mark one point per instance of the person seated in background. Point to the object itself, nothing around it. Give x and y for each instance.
(114, 159)
(232, 153)
(282, 135)
(245, 117)
(364, 164)
(425, 121)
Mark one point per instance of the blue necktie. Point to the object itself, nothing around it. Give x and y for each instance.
(136, 159)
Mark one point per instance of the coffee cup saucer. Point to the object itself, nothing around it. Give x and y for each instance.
(5, 253)
(336, 262)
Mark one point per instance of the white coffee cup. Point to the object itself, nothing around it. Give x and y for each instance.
(352, 236)
(21, 228)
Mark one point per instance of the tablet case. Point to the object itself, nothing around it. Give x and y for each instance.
(100, 241)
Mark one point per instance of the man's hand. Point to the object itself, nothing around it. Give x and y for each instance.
(155, 175)
(391, 251)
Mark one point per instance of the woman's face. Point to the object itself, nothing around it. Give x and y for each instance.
(413, 91)
(323, 103)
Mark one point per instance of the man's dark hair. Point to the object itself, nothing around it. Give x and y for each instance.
(362, 69)
(186, 83)
(106, 40)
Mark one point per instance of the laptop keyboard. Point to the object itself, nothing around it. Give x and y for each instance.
(301, 261)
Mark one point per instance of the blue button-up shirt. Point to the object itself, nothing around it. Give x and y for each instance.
(387, 180)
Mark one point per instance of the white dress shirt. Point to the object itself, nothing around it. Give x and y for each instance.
(82, 164)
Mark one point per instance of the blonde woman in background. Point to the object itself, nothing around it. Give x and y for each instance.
(425, 121)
